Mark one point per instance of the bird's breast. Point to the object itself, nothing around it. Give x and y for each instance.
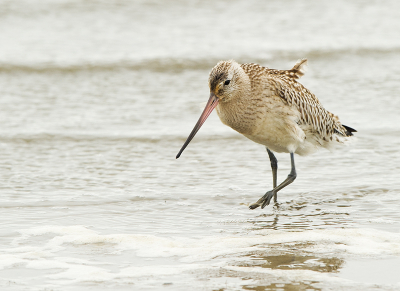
(239, 116)
(268, 121)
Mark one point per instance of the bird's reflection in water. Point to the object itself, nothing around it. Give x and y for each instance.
(274, 224)
(268, 220)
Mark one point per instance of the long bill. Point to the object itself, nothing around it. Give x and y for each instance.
(211, 104)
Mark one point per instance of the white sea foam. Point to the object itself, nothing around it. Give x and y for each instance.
(356, 242)
(183, 255)
(353, 241)
(8, 260)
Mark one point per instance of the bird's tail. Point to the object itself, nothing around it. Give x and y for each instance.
(299, 68)
(349, 130)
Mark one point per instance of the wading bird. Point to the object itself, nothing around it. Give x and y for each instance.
(271, 108)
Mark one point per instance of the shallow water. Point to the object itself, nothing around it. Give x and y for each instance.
(96, 100)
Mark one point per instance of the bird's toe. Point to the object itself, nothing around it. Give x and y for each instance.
(267, 198)
(263, 201)
(254, 205)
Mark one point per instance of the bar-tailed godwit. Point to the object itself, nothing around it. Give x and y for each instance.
(271, 108)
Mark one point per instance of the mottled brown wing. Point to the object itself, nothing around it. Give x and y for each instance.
(310, 108)
(295, 94)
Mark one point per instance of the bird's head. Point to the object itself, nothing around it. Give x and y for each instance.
(227, 80)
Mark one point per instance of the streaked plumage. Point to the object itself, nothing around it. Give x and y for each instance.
(272, 108)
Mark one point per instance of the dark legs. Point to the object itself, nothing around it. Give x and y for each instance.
(274, 166)
(264, 201)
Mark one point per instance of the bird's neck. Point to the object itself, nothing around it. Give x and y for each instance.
(238, 113)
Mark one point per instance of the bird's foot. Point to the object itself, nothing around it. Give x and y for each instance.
(263, 201)
(254, 205)
(267, 198)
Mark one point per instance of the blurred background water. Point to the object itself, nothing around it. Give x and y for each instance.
(97, 97)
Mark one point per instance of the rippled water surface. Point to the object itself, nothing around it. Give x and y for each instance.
(97, 97)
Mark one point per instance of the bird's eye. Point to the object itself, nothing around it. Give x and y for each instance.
(227, 82)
